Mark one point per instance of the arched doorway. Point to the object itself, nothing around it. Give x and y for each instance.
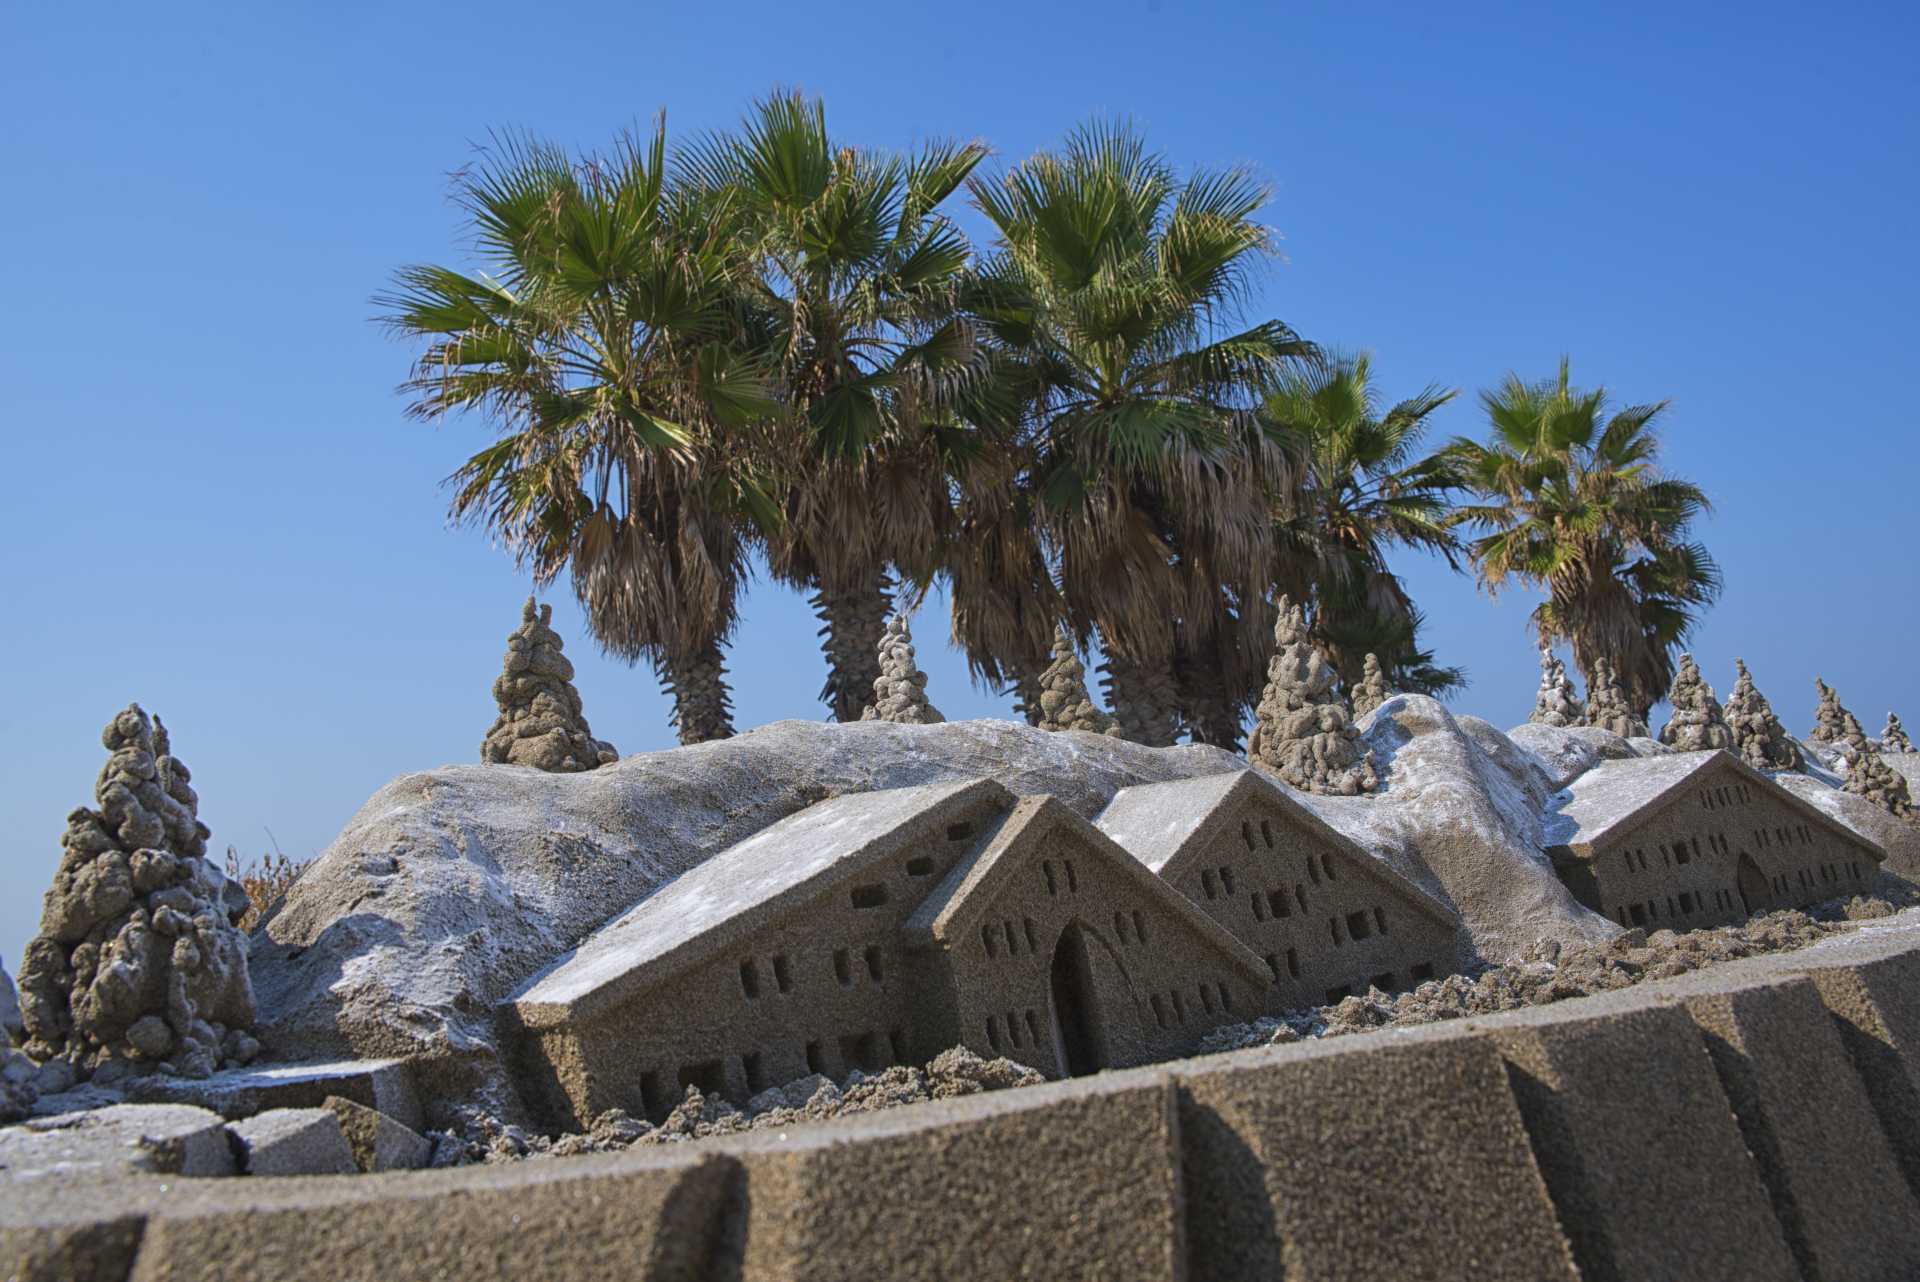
(1077, 1032)
(1755, 894)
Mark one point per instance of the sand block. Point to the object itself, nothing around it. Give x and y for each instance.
(603, 1218)
(295, 1141)
(1870, 984)
(382, 1084)
(1072, 1180)
(1638, 1144)
(123, 1139)
(1835, 1185)
(95, 1248)
(1401, 1156)
(379, 1143)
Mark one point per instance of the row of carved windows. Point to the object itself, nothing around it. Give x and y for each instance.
(1357, 925)
(1785, 835)
(1121, 923)
(1022, 1031)
(1724, 795)
(996, 935)
(1214, 999)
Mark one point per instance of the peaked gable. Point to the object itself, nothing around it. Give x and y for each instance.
(1170, 827)
(1615, 796)
(963, 897)
(742, 888)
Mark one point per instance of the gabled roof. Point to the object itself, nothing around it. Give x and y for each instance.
(1615, 795)
(1165, 825)
(962, 895)
(741, 888)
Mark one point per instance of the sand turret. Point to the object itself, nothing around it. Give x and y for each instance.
(1758, 736)
(900, 691)
(1064, 701)
(1556, 703)
(1303, 730)
(1371, 690)
(541, 723)
(139, 963)
(1697, 723)
(1607, 705)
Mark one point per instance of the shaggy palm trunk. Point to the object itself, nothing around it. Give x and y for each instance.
(852, 625)
(1206, 708)
(1142, 698)
(1026, 690)
(702, 708)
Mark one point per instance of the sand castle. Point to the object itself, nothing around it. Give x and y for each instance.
(541, 723)
(1303, 731)
(900, 691)
(1607, 705)
(1557, 703)
(138, 962)
(1697, 723)
(1758, 736)
(1063, 701)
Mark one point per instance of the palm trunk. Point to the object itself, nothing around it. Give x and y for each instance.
(1026, 690)
(1143, 700)
(702, 708)
(852, 625)
(1206, 708)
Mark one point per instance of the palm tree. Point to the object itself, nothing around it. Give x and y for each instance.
(603, 341)
(1145, 464)
(1573, 504)
(1363, 487)
(855, 276)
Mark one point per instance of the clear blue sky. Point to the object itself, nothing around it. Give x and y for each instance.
(215, 507)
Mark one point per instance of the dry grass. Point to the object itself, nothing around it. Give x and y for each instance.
(266, 880)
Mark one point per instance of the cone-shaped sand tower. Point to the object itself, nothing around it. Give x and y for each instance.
(1832, 723)
(1064, 701)
(1758, 736)
(1870, 777)
(1607, 705)
(138, 962)
(1697, 723)
(1371, 691)
(900, 691)
(1556, 703)
(540, 723)
(1303, 731)
(1894, 737)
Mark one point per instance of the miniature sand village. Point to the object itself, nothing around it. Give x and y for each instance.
(1394, 994)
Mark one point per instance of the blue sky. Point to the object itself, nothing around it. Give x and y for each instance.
(216, 508)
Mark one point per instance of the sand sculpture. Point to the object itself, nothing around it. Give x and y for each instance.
(138, 962)
(1371, 690)
(878, 929)
(1697, 723)
(900, 691)
(1328, 918)
(1871, 777)
(540, 723)
(1698, 839)
(1607, 705)
(1064, 702)
(1894, 737)
(1758, 736)
(1833, 724)
(1557, 703)
(1303, 732)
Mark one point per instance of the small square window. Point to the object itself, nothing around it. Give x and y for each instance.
(870, 896)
